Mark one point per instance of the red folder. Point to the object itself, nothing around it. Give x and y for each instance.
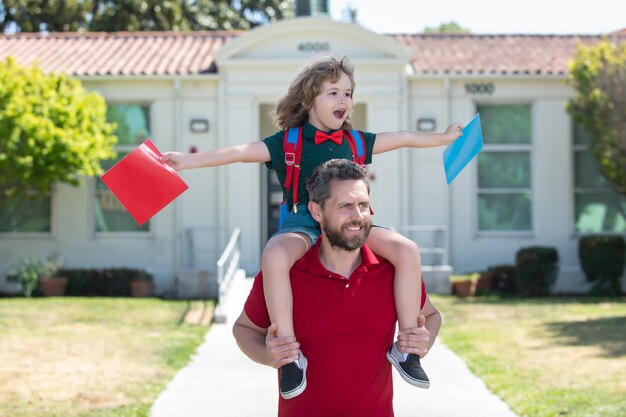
(143, 184)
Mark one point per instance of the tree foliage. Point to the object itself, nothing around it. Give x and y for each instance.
(449, 28)
(598, 74)
(139, 15)
(51, 130)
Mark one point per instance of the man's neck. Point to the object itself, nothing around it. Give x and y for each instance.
(338, 260)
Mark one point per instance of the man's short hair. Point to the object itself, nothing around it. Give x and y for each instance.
(318, 184)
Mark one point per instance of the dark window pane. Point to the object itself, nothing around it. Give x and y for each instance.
(587, 172)
(504, 212)
(133, 122)
(503, 170)
(601, 212)
(581, 135)
(110, 214)
(505, 124)
(26, 216)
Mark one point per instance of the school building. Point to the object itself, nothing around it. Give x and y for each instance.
(533, 184)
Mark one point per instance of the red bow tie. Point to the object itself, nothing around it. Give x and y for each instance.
(336, 137)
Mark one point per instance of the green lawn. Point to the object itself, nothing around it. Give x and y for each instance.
(545, 357)
(103, 357)
(96, 357)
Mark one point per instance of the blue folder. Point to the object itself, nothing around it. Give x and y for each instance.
(460, 152)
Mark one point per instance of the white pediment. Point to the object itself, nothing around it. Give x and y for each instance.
(301, 38)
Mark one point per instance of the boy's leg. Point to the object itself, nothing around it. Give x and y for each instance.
(281, 252)
(405, 256)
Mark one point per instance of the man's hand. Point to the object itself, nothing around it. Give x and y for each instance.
(280, 350)
(415, 339)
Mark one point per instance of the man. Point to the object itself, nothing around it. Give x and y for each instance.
(343, 302)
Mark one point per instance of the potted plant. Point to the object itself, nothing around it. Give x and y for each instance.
(141, 284)
(51, 284)
(35, 274)
(464, 285)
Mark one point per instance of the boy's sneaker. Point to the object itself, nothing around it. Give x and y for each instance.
(409, 367)
(293, 378)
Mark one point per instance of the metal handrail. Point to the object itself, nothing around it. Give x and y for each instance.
(227, 265)
(440, 249)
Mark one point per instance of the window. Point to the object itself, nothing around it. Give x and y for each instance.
(26, 217)
(597, 207)
(133, 127)
(504, 170)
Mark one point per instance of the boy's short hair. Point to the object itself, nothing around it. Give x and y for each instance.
(319, 182)
(293, 109)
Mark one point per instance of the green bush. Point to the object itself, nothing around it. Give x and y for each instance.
(110, 282)
(536, 270)
(503, 279)
(602, 258)
(51, 130)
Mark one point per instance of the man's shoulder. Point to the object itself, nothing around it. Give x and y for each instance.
(372, 260)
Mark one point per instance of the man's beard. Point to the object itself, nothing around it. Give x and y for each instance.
(337, 239)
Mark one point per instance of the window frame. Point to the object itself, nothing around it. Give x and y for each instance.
(507, 148)
(124, 148)
(37, 235)
(577, 191)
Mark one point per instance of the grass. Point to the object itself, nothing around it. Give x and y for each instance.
(545, 357)
(96, 357)
(103, 357)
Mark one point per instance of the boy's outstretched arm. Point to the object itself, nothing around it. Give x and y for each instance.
(388, 141)
(249, 152)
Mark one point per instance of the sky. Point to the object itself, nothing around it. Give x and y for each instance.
(489, 16)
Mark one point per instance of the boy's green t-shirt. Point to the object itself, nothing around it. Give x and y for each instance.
(312, 156)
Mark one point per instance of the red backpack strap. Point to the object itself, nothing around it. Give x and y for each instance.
(292, 147)
(357, 143)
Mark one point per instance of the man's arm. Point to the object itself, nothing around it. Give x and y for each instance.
(262, 346)
(419, 340)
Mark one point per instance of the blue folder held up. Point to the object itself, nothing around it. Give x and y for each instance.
(460, 152)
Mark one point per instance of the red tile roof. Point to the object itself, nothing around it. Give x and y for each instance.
(118, 53)
(492, 54)
(192, 53)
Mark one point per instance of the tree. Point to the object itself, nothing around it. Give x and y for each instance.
(51, 130)
(350, 13)
(449, 28)
(598, 74)
(139, 15)
(51, 15)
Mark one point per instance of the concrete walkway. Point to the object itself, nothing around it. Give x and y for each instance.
(220, 381)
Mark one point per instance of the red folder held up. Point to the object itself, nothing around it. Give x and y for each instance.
(143, 184)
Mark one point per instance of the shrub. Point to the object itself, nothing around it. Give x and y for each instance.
(602, 258)
(503, 278)
(536, 270)
(109, 282)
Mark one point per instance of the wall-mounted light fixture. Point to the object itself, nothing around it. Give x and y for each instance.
(426, 125)
(199, 125)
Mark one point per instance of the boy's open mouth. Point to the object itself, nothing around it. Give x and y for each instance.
(339, 113)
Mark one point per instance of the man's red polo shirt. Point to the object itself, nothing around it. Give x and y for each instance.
(344, 327)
